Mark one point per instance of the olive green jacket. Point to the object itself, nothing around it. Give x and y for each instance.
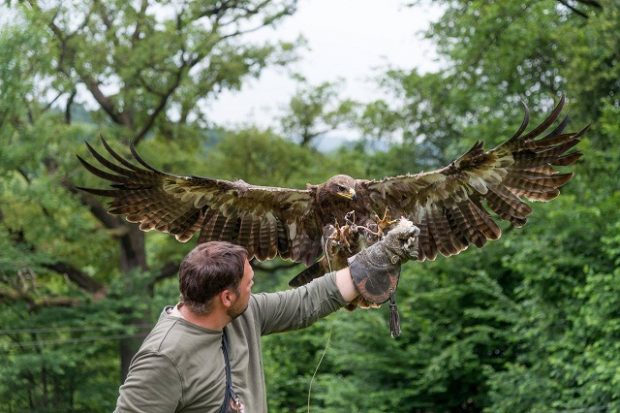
(180, 366)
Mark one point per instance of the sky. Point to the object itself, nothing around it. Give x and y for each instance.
(352, 40)
(348, 41)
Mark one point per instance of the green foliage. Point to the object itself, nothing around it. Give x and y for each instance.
(315, 111)
(530, 323)
(78, 287)
(271, 160)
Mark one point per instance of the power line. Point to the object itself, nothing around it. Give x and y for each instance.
(61, 329)
(591, 409)
(9, 346)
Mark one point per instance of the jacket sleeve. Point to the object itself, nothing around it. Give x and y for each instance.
(297, 308)
(153, 385)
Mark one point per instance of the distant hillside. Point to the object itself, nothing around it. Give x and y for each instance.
(326, 143)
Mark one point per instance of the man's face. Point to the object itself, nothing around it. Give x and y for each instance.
(245, 290)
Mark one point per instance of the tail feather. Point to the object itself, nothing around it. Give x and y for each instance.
(314, 271)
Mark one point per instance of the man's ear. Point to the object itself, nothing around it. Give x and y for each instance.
(227, 298)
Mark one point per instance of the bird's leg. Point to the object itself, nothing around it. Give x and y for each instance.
(350, 230)
(330, 243)
(384, 223)
(349, 219)
(346, 232)
(341, 235)
(336, 237)
(344, 236)
(371, 229)
(376, 226)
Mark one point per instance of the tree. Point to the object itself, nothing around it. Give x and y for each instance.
(315, 111)
(522, 324)
(133, 71)
(527, 324)
(556, 272)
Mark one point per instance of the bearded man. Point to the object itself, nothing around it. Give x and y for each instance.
(204, 354)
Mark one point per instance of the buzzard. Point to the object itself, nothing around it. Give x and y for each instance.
(452, 206)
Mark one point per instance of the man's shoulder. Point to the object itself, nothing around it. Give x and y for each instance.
(174, 338)
(161, 336)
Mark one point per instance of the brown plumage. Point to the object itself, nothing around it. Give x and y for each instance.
(450, 205)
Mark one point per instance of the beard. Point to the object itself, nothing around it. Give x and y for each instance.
(235, 311)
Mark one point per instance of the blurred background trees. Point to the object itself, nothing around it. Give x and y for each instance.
(530, 323)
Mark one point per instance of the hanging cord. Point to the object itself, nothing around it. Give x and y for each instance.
(394, 317)
(329, 337)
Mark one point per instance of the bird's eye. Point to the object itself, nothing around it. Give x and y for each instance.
(341, 188)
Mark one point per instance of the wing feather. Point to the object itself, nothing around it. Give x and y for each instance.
(458, 225)
(119, 158)
(238, 212)
(245, 233)
(453, 205)
(450, 243)
(445, 240)
(471, 225)
(566, 160)
(255, 234)
(273, 237)
(438, 228)
(229, 229)
(263, 239)
(427, 241)
(283, 243)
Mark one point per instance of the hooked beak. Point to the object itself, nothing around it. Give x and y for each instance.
(350, 194)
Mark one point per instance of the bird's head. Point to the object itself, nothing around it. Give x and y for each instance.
(343, 186)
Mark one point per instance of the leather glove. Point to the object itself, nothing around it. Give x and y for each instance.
(376, 270)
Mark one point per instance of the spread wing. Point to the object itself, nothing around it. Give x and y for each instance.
(451, 205)
(267, 221)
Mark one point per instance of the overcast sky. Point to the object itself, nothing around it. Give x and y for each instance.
(349, 39)
(353, 40)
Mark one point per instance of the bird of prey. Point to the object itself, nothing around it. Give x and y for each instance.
(454, 206)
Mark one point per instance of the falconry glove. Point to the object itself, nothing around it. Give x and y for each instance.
(375, 271)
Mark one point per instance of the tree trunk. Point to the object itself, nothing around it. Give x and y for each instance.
(127, 349)
(133, 254)
(133, 257)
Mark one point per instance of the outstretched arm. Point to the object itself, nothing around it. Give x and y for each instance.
(345, 285)
(372, 269)
(299, 307)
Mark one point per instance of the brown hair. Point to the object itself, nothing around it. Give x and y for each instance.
(209, 269)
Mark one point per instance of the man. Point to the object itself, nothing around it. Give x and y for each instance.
(204, 354)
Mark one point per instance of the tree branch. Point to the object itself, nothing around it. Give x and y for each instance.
(34, 302)
(106, 103)
(136, 32)
(587, 3)
(160, 106)
(148, 87)
(91, 83)
(68, 107)
(109, 221)
(51, 102)
(79, 278)
(106, 21)
(168, 270)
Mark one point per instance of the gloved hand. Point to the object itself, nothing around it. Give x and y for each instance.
(376, 270)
